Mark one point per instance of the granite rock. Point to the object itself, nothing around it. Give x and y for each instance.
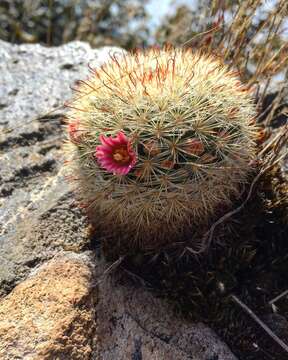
(131, 323)
(37, 216)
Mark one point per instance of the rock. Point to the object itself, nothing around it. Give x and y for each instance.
(37, 216)
(50, 315)
(132, 324)
(59, 313)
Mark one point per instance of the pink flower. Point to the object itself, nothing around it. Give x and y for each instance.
(75, 134)
(116, 154)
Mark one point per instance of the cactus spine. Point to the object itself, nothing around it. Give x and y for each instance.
(188, 124)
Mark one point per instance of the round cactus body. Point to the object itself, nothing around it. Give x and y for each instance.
(158, 141)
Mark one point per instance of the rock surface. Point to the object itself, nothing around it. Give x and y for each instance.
(50, 315)
(58, 312)
(135, 325)
(35, 80)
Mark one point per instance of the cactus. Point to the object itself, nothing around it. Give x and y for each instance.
(158, 140)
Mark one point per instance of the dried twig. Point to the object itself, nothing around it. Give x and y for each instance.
(277, 143)
(110, 269)
(284, 293)
(260, 322)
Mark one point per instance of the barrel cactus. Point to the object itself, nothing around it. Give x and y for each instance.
(157, 141)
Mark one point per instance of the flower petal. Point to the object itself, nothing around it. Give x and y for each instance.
(109, 148)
